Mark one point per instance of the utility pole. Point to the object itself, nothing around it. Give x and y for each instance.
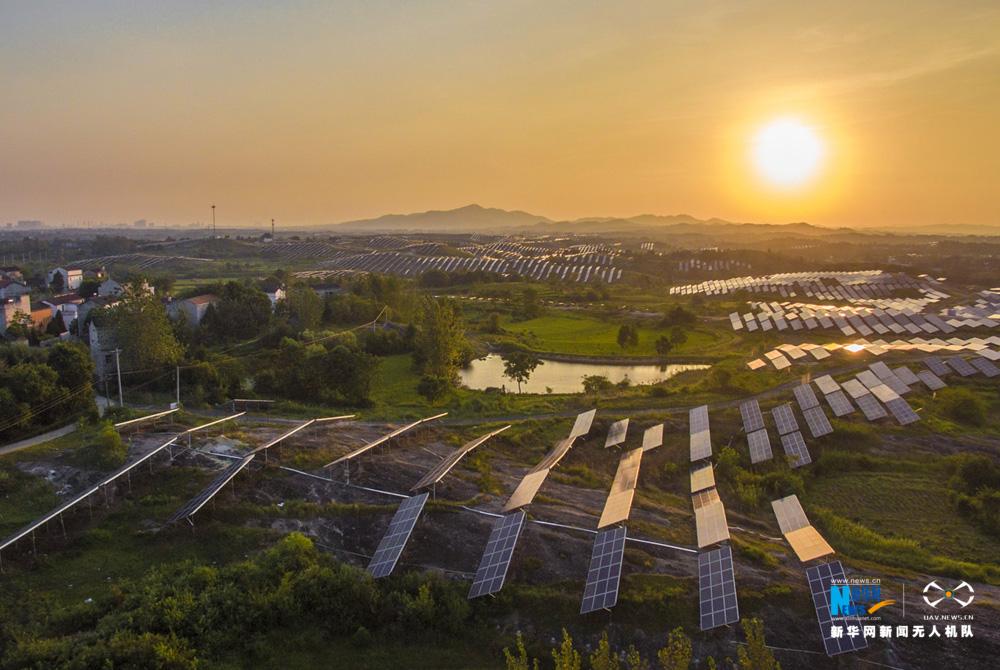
(213, 220)
(178, 386)
(118, 369)
(272, 229)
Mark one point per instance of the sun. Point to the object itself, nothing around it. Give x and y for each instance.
(787, 152)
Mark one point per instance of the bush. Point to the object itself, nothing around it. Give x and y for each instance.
(433, 387)
(963, 406)
(110, 449)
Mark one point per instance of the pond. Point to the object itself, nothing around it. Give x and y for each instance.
(565, 377)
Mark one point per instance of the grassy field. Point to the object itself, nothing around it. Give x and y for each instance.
(584, 334)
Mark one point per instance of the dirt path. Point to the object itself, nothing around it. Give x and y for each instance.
(38, 439)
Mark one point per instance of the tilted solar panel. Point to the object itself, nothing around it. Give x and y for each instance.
(698, 419)
(931, 380)
(902, 411)
(616, 433)
(784, 418)
(604, 575)
(871, 407)
(820, 578)
(496, 558)
(818, 424)
(937, 366)
(760, 446)
(795, 449)
(906, 375)
(985, 366)
(391, 546)
(701, 445)
(717, 588)
(839, 403)
(805, 396)
(826, 384)
(961, 366)
(854, 388)
(752, 418)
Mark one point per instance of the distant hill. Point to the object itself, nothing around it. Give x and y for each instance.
(491, 220)
(468, 219)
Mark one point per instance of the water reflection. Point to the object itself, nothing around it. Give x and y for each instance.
(563, 377)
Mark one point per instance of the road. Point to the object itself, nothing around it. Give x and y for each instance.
(38, 439)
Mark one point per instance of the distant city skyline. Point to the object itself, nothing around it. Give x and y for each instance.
(316, 113)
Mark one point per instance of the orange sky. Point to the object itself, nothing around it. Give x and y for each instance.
(313, 113)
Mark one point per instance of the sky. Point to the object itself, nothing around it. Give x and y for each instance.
(319, 112)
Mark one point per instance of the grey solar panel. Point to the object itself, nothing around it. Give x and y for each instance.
(869, 379)
(805, 396)
(604, 575)
(854, 388)
(818, 424)
(496, 558)
(931, 380)
(395, 539)
(906, 375)
(760, 446)
(870, 407)
(820, 578)
(752, 418)
(985, 366)
(826, 384)
(839, 403)
(902, 411)
(698, 418)
(795, 449)
(937, 366)
(961, 366)
(784, 417)
(717, 588)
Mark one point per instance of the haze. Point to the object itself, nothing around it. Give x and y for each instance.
(314, 114)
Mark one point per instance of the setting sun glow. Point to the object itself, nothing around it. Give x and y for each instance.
(787, 153)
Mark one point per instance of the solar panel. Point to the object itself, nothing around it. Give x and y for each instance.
(902, 411)
(820, 577)
(795, 449)
(392, 543)
(805, 396)
(937, 366)
(931, 380)
(789, 513)
(854, 388)
(582, 424)
(869, 379)
(808, 544)
(906, 375)
(701, 445)
(826, 384)
(710, 522)
(619, 501)
(496, 558)
(870, 407)
(818, 424)
(653, 437)
(839, 403)
(702, 477)
(526, 490)
(616, 433)
(760, 446)
(698, 418)
(752, 418)
(784, 417)
(985, 366)
(717, 588)
(604, 575)
(961, 366)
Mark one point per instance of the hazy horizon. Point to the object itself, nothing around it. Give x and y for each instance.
(315, 114)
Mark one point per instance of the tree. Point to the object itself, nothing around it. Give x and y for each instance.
(493, 323)
(719, 378)
(678, 336)
(305, 308)
(755, 655)
(72, 363)
(440, 342)
(677, 654)
(58, 283)
(594, 384)
(603, 657)
(566, 657)
(530, 306)
(111, 452)
(519, 365)
(663, 345)
(634, 660)
(143, 331)
(628, 336)
(519, 659)
(56, 325)
(242, 312)
(88, 287)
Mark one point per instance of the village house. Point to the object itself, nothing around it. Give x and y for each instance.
(193, 308)
(11, 307)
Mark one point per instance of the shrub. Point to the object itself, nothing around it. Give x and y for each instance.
(963, 406)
